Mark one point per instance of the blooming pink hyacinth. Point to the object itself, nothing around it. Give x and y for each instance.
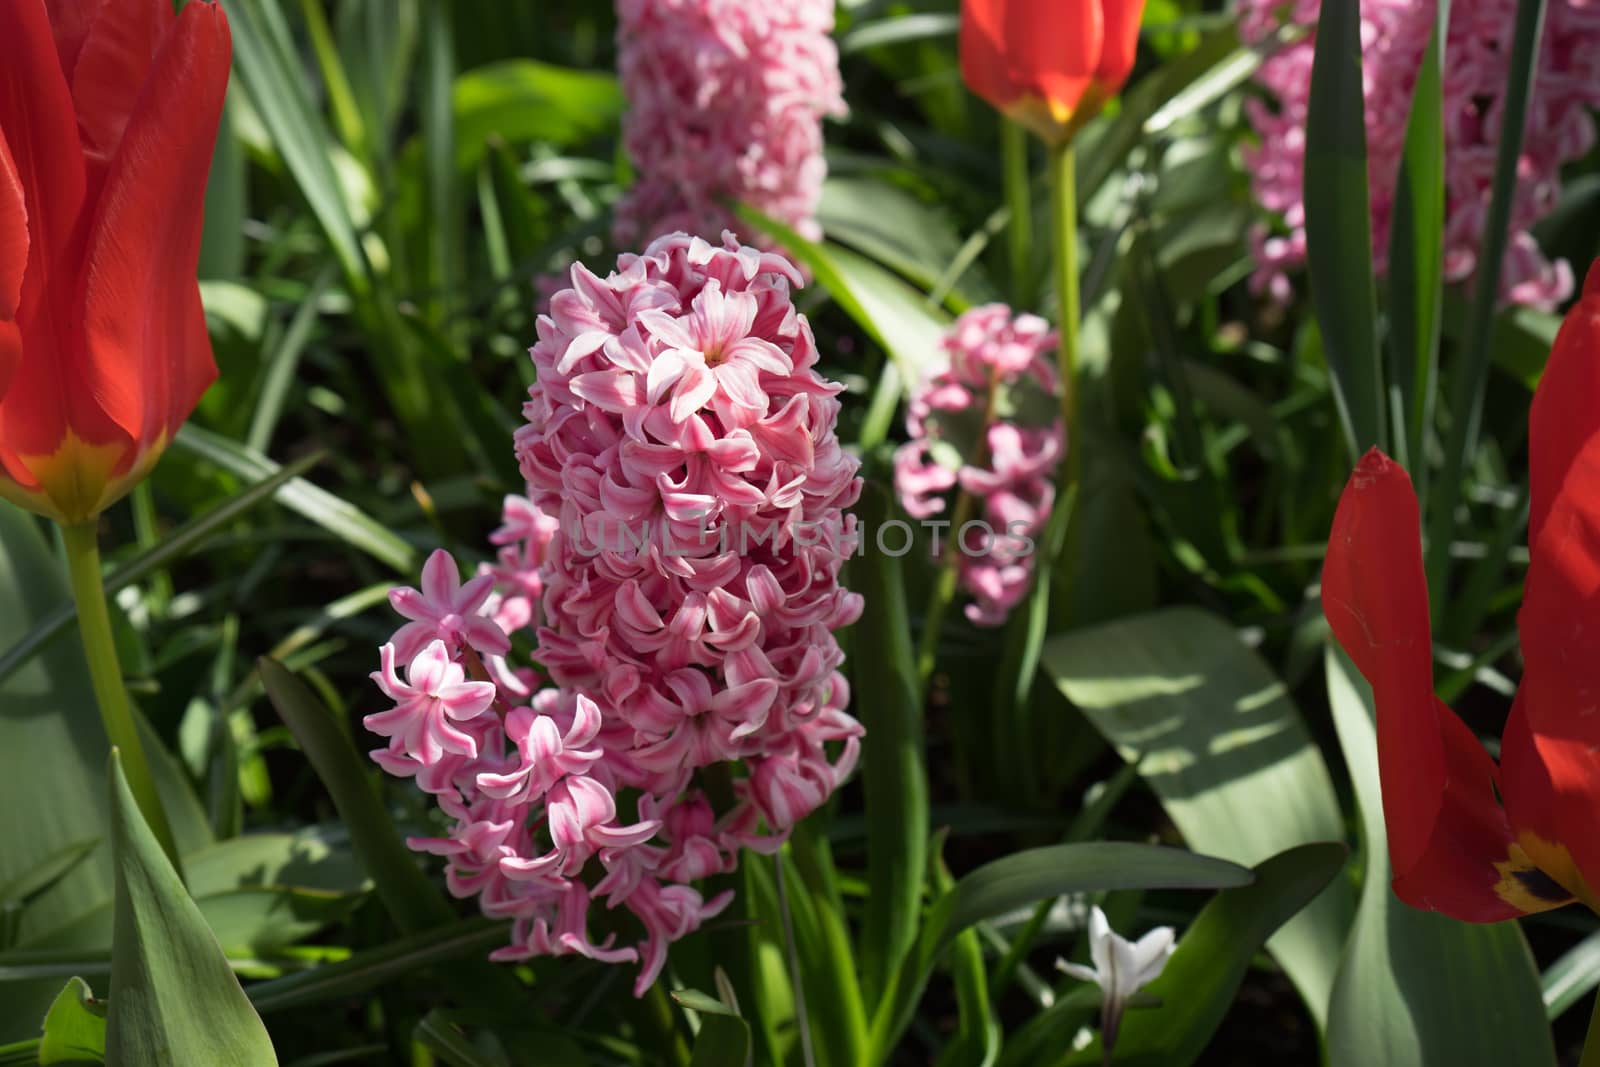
(1394, 34)
(725, 103)
(997, 364)
(677, 558)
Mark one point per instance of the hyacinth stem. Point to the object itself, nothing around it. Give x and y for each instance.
(1591, 1043)
(105, 673)
(944, 586)
(1019, 208)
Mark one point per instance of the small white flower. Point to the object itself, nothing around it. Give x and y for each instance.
(1121, 968)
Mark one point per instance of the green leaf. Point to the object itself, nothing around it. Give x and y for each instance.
(1026, 877)
(520, 100)
(371, 968)
(891, 312)
(1220, 743)
(174, 999)
(894, 772)
(52, 745)
(258, 892)
(1339, 227)
(1415, 987)
(342, 519)
(899, 231)
(1416, 252)
(1569, 978)
(1471, 372)
(269, 70)
(74, 1028)
(50, 870)
(173, 545)
(1200, 981)
(724, 1037)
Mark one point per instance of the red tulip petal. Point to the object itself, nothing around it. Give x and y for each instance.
(1121, 43)
(1446, 829)
(42, 133)
(148, 358)
(1540, 814)
(70, 20)
(13, 242)
(1566, 406)
(982, 46)
(1054, 48)
(13, 263)
(1560, 624)
(112, 67)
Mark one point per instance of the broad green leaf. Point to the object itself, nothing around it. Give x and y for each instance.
(894, 771)
(74, 1028)
(1219, 742)
(724, 1037)
(1200, 981)
(1339, 227)
(899, 231)
(53, 745)
(522, 100)
(174, 999)
(50, 870)
(1415, 988)
(1026, 877)
(258, 892)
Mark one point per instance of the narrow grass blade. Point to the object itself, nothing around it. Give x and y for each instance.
(1572, 976)
(894, 773)
(1472, 370)
(342, 519)
(1416, 256)
(173, 546)
(1339, 227)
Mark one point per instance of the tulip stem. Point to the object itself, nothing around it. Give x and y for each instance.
(1064, 235)
(1591, 1044)
(1019, 207)
(105, 673)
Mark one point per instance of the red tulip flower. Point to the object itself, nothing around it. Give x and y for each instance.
(1049, 64)
(1475, 841)
(108, 116)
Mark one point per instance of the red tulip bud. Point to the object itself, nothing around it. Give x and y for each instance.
(108, 116)
(1049, 64)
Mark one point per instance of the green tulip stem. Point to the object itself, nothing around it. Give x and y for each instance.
(105, 672)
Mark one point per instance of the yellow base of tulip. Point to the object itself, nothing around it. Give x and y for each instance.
(76, 482)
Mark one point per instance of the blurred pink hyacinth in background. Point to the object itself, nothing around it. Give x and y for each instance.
(1394, 35)
(725, 104)
(676, 562)
(989, 423)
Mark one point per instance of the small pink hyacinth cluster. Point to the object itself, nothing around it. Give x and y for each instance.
(677, 558)
(971, 425)
(1394, 35)
(725, 103)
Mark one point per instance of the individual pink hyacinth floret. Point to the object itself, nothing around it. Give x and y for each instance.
(676, 559)
(725, 104)
(1394, 35)
(972, 425)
